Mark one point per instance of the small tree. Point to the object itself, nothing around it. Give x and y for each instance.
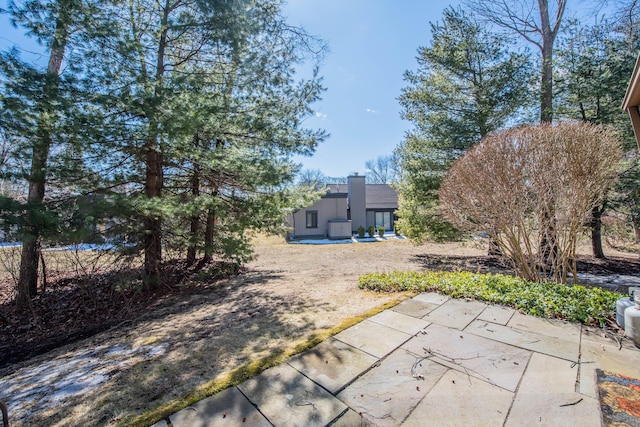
(509, 183)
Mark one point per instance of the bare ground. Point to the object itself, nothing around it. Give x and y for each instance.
(155, 348)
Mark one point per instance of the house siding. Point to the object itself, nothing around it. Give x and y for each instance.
(329, 208)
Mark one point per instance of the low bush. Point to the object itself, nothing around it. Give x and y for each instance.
(361, 232)
(381, 231)
(589, 305)
(372, 231)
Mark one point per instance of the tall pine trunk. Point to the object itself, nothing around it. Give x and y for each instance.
(153, 223)
(28, 278)
(195, 218)
(154, 169)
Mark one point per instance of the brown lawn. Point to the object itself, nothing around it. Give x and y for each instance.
(183, 338)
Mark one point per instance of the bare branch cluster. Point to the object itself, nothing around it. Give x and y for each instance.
(533, 184)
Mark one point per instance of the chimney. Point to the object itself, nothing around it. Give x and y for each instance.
(357, 201)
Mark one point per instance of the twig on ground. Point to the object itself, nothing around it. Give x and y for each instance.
(572, 403)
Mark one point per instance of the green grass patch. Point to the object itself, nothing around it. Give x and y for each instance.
(588, 305)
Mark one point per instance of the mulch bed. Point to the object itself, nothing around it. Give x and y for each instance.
(72, 309)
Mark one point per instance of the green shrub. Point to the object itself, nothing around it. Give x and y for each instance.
(381, 231)
(591, 305)
(372, 231)
(361, 232)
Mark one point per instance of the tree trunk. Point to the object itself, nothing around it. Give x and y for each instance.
(28, 278)
(153, 223)
(154, 170)
(548, 246)
(548, 31)
(596, 232)
(208, 236)
(546, 83)
(195, 219)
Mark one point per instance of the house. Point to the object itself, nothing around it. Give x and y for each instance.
(631, 102)
(345, 208)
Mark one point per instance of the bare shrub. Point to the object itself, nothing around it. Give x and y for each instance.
(533, 184)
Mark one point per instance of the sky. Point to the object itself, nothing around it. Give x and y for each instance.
(371, 44)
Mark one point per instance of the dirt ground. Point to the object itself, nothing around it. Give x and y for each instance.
(184, 337)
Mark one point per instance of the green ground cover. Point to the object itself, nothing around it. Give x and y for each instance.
(588, 305)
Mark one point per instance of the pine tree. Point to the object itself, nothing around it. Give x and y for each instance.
(466, 86)
(204, 96)
(37, 117)
(593, 65)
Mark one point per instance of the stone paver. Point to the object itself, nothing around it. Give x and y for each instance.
(333, 364)
(456, 313)
(229, 407)
(565, 331)
(351, 419)
(388, 392)
(460, 400)
(432, 297)
(557, 347)
(415, 308)
(373, 338)
(604, 353)
(288, 398)
(401, 322)
(497, 314)
(488, 360)
(430, 360)
(547, 396)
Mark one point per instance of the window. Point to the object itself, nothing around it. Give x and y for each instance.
(312, 219)
(383, 219)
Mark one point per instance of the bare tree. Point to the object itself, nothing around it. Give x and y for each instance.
(538, 23)
(312, 178)
(509, 183)
(626, 17)
(382, 169)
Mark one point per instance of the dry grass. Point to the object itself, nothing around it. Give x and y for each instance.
(214, 336)
(292, 297)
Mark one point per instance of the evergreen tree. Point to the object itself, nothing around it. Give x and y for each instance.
(37, 117)
(466, 86)
(205, 99)
(593, 67)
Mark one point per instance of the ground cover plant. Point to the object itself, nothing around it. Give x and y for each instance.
(588, 305)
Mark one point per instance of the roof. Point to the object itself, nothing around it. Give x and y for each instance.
(336, 191)
(632, 97)
(381, 196)
(338, 188)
